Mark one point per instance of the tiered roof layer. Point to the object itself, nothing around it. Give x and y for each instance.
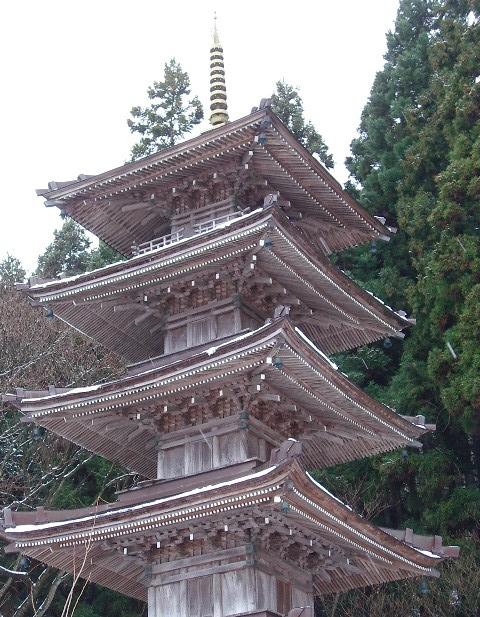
(103, 203)
(276, 360)
(340, 314)
(106, 543)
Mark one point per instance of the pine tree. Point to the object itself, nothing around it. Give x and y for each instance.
(288, 105)
(67, 254)
(417, 161)
(102, 256)
(439, 208)
(11, 272)
(385, 130)
(171, 115)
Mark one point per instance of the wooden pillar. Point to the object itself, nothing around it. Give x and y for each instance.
(228, 583)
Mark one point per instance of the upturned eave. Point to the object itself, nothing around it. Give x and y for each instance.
(98, 418)
(97, 202)
(287, 498)
(345, 316)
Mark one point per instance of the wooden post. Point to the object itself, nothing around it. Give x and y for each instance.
(228, 583)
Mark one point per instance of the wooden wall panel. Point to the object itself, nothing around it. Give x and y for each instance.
(265, 590)
(238, 591)
(173, 462)
(284, 596)
(152, 609)
(222, 594)
(225, 324)
(170, 600)
(200, 597)
(198, 456)
(210, 451)
(232, 448)
(301, 598)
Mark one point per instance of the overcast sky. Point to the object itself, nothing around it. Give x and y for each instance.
(71, 71)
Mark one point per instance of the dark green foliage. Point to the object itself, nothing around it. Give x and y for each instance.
(11, 272)
(171, 115)
(70, 253)
(67, 254)
(416, 161)
(384, 132)
(454, 594)
(288, 105)
(90, 483)
(101, 602)
(102, 256)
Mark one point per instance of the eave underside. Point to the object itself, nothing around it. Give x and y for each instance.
(127, 575)
(335, 421)
(98, 203)
(304, 526)
(108, 306)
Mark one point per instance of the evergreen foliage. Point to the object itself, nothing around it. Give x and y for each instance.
(69, 253)
(102, 256)
(11, 272)
(416, 161)
(288, 105)
(171, 115)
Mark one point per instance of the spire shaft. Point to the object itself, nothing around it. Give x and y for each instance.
(218, 90)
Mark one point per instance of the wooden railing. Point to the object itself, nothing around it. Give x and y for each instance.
(157, 243)
(201, 228)
(195, 230)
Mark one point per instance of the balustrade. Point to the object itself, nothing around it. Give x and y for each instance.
(185, 232)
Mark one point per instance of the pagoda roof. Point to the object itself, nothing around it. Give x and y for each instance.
(278, 358)
(103, 203)
(343, 316)
(115, 545)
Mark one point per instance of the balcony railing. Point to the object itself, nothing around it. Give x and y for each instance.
(185, 232)
(157, 243)
(201, 228)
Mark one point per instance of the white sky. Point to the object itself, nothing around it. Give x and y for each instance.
(72, 71)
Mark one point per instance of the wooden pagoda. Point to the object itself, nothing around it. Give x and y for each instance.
(226, 308)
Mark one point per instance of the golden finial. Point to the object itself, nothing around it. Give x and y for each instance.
(218, 91)
(216, 40)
